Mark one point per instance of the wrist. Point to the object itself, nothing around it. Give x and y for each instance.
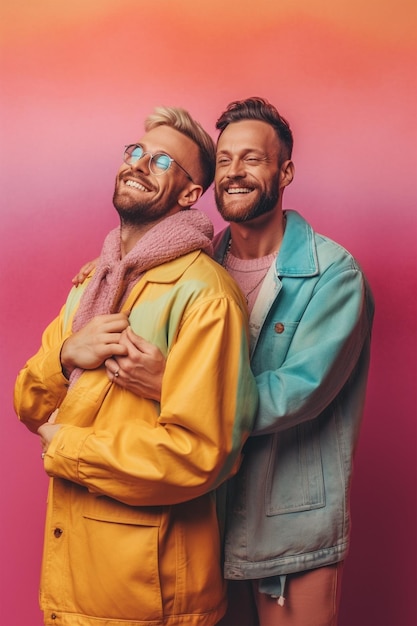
(66, 366)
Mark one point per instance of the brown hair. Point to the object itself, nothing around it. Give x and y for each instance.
(259, 109)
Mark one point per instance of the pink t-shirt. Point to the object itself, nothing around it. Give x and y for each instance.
(249, 274)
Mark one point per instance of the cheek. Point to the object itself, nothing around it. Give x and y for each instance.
(119, 174)
(218, 179)
(122, 170)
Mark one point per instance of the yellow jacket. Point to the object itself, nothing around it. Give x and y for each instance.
(132, 536)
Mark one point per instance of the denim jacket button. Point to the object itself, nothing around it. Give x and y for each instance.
(279, 327)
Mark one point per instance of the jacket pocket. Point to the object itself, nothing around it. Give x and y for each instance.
(272, 348)
(295, 479)
(117, 573)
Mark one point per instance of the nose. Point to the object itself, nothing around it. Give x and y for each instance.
(143, 163)
(236, 168)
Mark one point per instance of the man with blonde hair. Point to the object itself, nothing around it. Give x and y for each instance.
(132, 536)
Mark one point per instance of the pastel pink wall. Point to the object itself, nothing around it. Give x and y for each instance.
(77, 80)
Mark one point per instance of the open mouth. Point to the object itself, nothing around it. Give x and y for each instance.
(136, 185)
(238, 190)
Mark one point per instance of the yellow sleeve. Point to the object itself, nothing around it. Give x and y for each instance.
(40, 385)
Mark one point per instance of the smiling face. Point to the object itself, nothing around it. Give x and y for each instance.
(248, 180)
(140, 197)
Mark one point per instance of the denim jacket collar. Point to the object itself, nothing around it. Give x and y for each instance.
(297, 256)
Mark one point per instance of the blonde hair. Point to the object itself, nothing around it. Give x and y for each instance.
(181, 120)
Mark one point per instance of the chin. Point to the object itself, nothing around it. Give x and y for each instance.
(236, 213)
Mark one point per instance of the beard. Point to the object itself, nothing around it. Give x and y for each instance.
(265, 203)
(141, 212)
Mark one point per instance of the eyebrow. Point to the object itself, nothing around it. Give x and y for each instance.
(244, 151)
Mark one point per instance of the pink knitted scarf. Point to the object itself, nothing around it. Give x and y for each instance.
(114, 277)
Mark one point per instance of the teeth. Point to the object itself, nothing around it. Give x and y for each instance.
(136, 185)
(239, 190)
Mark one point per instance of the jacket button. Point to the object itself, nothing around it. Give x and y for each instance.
(279, 328)
(58, 532)
(53, 616)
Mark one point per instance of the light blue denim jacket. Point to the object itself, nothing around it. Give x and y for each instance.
(310, 333)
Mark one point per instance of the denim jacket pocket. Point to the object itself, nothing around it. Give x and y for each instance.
(295, 479)
(271, 353)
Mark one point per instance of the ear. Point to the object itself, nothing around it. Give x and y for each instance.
(286, 173)
(189, 195)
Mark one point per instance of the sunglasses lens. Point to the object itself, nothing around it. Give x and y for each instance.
(133, 153)
(161, 162)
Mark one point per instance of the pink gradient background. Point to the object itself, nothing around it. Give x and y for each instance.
(78, 79)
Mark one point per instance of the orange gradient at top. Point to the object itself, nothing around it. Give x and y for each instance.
(393, 21)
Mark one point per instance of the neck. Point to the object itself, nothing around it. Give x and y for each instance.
(132, 231)
(256, 240)
(130, 235)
